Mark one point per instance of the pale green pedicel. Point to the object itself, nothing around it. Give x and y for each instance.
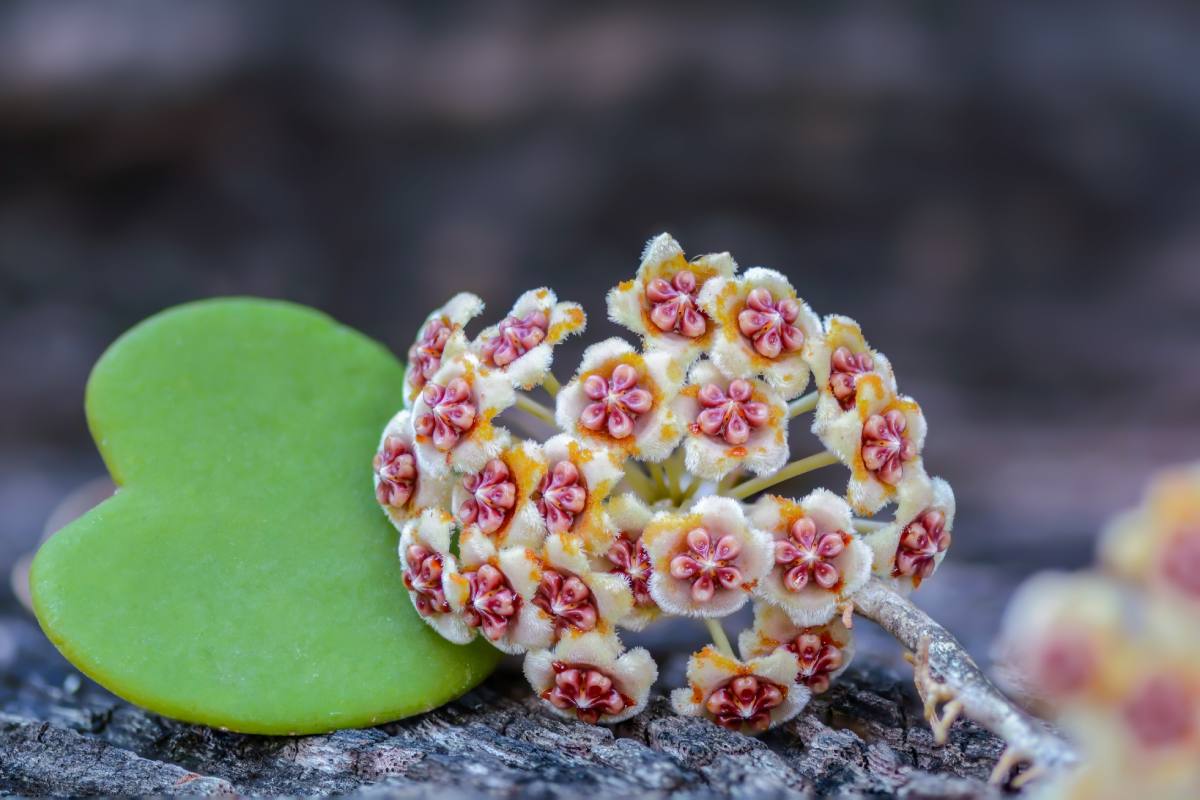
(243, 576)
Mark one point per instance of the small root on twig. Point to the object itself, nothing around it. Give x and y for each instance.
(848, 613)
(934, 692)
(947, 678)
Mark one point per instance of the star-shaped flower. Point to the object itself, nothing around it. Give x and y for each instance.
(494, 592)
(746, 696)
(880, 441)
(522, 345)
(909, 548)
(498, 500)
(571, 493)
(819, 562)
(839, 358)
(452, 417)
(762, 329)
(822, 652)
(731, 422)
(621, 400)
(707, 560)
(402, 489)
(587, 677)
(627, 557)
(441, 329)
(571, 594)
(661, 303)
(427, 564)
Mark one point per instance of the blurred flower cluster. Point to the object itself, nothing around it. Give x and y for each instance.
(1115, 652)
(637, 506)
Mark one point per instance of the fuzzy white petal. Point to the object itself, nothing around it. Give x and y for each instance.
(491, 394)
(430, 491)
(914, 499)
(432, 530)
(724, 299)
(665, 538)
(764, 452)
(455, 313)
(632, 672)
(629, 306)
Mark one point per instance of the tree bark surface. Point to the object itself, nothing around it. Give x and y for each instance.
(865, 737)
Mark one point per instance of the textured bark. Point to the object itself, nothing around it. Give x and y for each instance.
(866, 736)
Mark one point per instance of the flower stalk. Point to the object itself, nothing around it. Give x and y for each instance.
(719, 638)
(792, 470)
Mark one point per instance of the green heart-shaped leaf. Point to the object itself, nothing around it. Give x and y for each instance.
(243, 576)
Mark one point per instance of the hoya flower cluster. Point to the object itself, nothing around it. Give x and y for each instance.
(642, 502)
(1116, 652)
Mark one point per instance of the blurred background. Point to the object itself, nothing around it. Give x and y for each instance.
(1006, 195)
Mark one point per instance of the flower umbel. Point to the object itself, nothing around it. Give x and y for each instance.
(642, 502)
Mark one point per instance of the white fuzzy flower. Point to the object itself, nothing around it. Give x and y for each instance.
(707, 560)
(402, 489)
(731, 422)
(441, 330)
(1157, 544)
(762, 328)
(880, 440)
(822, 652)
(628, 516)
(522, 345)
(494, 590)
(452, 417)
(587, 677)
(818, 559)
(570, 594)
(570, 496)
(909, 548)
(746, 696)
(661, 303)
(1061, 633)
(498, 500)
(621, 400)
(427, 567)
(839, 358)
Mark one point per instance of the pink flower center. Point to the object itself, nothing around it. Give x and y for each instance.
(493, 495)
(493, 602)
(745, 701)
(808, 554)
(516, 337)
(769, 324)
(561, 496)
(818, 656)
(631, 562)
(921, 541)
(423, 577)
(567, 599)
(706, 565)
(673, 305)
(1063, 662)
(425, 356)
(616, 402)
(885, 447)
(844, 369)
(586, 691)
(451, 413)
(397, 471)
(1181, 562)
(1161, 712)
(731, 416)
